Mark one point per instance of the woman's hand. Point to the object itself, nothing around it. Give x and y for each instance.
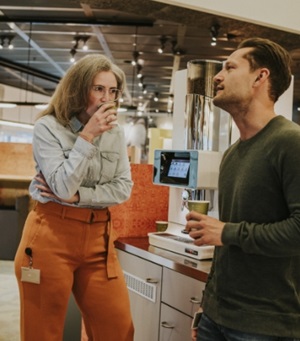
(46, 191)
(102, 120)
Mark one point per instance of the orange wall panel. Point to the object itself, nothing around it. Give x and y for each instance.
(148, 203)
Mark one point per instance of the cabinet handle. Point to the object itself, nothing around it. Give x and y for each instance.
(195, 300)
(165, 324)
(151, 280)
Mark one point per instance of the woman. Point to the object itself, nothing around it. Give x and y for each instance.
(67, 242)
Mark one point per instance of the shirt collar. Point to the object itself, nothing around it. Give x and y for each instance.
(75, 124)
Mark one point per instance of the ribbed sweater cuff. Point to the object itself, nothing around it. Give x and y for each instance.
(230, 234)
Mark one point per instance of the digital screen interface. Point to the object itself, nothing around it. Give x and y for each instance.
(175, 168)
(179, 168)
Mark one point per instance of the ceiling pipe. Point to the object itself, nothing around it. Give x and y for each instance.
(35, 20)
(34, 45)
(28, 70)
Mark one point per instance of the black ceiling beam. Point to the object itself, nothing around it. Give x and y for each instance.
(24, 103)
(113, 22)
(28, 70)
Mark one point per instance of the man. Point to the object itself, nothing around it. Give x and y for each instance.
(253, 289)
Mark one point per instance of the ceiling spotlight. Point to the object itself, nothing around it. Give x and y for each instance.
(84, 46)
(139, 71)
(214, 32)
(76, 42)
(156, 97)
(177, 51)
(141, 82)
(170, 102)
(6, 40)
(144, 89)
(163, 40)
(10, 44)
(81, 39)
(135, 56)
(73, 51)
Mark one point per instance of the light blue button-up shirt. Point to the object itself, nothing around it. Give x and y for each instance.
(100, 172)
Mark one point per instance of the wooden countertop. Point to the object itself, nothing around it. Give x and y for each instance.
(140, 247)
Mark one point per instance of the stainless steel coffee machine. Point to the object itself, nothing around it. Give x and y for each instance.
(201, 132)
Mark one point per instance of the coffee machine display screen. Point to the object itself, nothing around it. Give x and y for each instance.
(179, 168)
(174, 168)
(186, 168)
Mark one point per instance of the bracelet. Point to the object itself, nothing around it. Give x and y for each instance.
(87, 136)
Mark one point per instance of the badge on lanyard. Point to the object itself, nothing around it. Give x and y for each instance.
(29, 274)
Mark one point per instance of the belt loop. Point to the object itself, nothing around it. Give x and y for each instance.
(35, 204)
(63, 212)
(91, 217)
(111, 266)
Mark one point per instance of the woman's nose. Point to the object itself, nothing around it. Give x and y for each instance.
(105, 97)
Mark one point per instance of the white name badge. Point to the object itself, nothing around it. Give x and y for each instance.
(30, 275)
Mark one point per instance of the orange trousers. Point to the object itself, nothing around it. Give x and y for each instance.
(73, 248)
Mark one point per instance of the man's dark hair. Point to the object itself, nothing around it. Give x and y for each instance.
(268, 54)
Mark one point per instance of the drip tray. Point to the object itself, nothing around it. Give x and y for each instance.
(182, 245)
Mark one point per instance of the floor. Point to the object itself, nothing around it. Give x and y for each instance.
(9, 303)
(10, 309)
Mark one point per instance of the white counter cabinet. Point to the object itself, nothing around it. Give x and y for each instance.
(164, 294)
(144, 283)
(174, 326)
(181, 296)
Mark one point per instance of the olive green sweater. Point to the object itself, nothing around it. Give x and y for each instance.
(254, 284)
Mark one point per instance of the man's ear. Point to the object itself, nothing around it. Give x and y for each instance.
(263, 75)
(258, 77)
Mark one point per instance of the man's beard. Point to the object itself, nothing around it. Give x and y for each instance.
(222, 103)
(235, 106)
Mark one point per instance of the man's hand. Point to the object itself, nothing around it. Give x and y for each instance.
(204, 229)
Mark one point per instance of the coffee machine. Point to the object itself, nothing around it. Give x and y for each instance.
(201, 132)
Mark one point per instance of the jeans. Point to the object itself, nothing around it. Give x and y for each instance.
(208, 330)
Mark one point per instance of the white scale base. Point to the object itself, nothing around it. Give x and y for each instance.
(174, 240)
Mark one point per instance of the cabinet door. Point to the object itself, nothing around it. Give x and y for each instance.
(181, 292)
(174, 326)
(143, 280)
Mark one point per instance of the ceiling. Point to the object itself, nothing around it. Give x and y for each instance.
(43, 33)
